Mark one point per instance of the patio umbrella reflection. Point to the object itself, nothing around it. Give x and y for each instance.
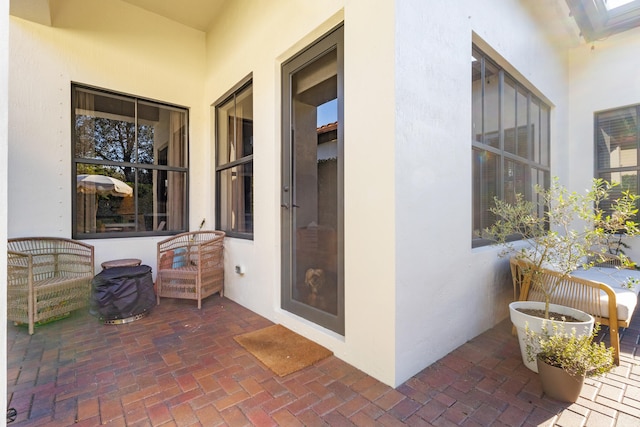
(89, 189)
(103, 185)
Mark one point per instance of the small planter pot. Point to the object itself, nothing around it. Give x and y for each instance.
(521, 321)
(558, 384)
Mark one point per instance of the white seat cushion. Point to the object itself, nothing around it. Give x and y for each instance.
(617, 279)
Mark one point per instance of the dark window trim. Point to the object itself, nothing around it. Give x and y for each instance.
(75, 160)
(504, 155)
(237, 88)
(598, 171)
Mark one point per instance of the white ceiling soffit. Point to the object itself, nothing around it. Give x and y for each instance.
(198, 14)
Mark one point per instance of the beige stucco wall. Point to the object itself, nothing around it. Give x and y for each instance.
(283, 29)
(447, 292)
(105, 44)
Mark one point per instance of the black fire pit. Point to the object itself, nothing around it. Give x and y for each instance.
(122, 294)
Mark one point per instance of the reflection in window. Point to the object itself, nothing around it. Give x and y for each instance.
(510, 146)
(130, 161)
(234, 161)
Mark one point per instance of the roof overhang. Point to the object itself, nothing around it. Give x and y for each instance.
(38, 11)
(197, 14)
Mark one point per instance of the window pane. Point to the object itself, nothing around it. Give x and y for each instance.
(628, 182)
(234, 144)
(104, 200)
(235, 127)
(108, 202)
(225, 130)
(104, 127)
(534, 130)
(543, 179)
(486, 180)
(476, 96)
(617, 139)
(544, 135)
(522, 123)
(509, 115)
(117, 132)
(162, 135)
(174, 199)
(236, 198)
(514, 180)
(162, 200)
(539, 177)
(244, 123)
(491, 105)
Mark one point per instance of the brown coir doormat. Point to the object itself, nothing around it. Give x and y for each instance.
(282, 350)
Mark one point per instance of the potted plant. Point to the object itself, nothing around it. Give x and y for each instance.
(564, 359)
(561, 232)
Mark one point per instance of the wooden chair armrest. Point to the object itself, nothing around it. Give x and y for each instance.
(521, 279)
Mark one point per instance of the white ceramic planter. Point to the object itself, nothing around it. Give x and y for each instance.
(521, 320)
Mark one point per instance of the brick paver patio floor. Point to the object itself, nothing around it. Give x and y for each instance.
(180, 366)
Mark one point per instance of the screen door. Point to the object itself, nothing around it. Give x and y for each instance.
(312, 195)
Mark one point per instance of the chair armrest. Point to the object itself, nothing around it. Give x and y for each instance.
(210, 255)
(521, 276)
(19, 268)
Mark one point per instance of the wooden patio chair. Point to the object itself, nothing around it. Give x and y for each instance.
(596, 298)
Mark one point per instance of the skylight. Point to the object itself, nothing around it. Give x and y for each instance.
(612, 4)
(599, 19)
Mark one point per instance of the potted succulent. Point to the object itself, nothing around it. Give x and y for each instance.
(564, 359)
(561, 232)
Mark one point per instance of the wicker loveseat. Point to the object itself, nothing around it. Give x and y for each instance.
(47, 277)
(191, 266)
(599, 291)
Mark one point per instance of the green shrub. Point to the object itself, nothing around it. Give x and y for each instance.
(577, 355)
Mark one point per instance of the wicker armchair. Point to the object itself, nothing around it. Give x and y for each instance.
(191, 266)
(47, 277)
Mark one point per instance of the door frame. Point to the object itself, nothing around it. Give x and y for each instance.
(334, 39)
